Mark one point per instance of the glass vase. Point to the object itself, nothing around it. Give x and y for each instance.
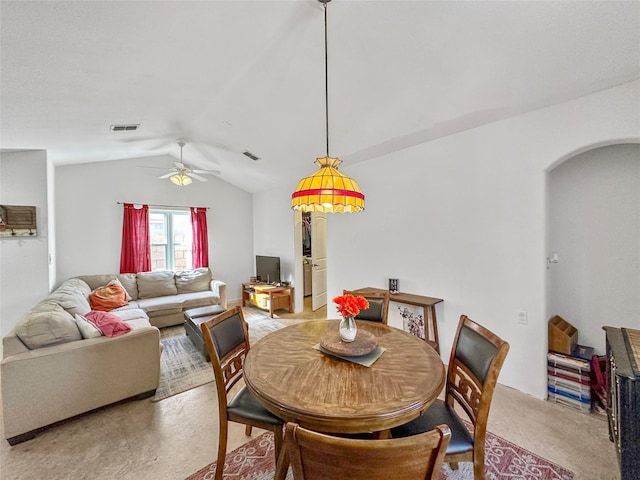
(348, 329)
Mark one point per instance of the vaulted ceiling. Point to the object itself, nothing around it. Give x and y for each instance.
(231, 76)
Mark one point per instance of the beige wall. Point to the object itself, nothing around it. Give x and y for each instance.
(24, 262)
(463, 218)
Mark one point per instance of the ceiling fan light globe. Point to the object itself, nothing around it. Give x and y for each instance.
(181, 180)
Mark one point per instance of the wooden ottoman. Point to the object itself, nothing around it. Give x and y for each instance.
(192, 320)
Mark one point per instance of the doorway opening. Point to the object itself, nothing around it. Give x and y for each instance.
(310, 241)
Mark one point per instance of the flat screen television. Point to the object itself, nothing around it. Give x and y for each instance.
(268, 269)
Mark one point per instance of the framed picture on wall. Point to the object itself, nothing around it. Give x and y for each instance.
(17, 221)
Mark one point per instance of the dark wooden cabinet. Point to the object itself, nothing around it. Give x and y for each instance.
(623, 397)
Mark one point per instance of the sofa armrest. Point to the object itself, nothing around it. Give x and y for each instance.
(220, 289)
(49, 384)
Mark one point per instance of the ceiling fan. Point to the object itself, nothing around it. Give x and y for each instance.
(181, 173)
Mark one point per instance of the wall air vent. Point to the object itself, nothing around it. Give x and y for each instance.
(250, 155)
(130, 127)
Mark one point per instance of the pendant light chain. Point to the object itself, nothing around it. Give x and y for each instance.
(326, 78)
(328, 189)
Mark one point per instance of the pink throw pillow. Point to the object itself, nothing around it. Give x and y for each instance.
(109, 324)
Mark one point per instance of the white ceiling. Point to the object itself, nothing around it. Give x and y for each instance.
(236, 75)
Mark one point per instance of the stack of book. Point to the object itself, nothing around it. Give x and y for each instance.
(569, 381)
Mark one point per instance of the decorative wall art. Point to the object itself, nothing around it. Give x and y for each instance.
(412, 322)
(17, 221)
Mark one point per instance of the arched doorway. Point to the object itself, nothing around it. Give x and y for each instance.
(593, 225)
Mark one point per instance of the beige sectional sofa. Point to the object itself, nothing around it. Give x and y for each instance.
(164, 296)
(50, 373)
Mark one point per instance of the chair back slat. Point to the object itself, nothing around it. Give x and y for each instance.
(232, 367)
(316, 456)
(466, 389)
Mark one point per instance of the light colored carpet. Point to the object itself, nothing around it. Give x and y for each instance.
(183, 367)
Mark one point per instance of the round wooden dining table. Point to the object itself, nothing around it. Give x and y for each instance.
(321, 392)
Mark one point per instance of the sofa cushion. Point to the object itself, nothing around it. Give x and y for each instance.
(131, 314)
(72, 296)
(118, 283)
(156, 284)
(138, 323)
(198, 299)
(87, 329)
(198, 280)
(161, 305)
(130, 284)
(95, 281)
(108, 297)
(47, 324)
(109, 324)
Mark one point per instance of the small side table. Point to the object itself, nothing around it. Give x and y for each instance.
(429, 306)
(267, 297)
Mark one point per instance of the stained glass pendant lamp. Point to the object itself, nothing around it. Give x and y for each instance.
(327, 190)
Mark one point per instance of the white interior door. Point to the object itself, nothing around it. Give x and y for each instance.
(318, 260)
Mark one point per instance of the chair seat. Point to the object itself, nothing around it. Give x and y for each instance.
(245, 405)
(439, 413)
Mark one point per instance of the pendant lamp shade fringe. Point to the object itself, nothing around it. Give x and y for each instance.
(327, 190)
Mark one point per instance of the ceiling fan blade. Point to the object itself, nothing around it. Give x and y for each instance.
(157, 168)
(167, 175)
(207, 172)
(197, 177)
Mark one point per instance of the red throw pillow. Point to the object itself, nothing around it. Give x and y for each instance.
(109, 324)
(108, 297)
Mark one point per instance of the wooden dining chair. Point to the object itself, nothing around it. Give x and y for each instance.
(316, 456)
(227, 340)
(476, 359)
(378, 310)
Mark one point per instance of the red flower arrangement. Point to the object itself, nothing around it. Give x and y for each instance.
(350, 305)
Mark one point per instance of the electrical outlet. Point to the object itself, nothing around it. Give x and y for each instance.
(522, 317)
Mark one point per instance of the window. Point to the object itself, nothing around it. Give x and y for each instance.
(171, 239)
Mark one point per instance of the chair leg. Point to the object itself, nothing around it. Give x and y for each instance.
(222, 450)
(282, 465)
(247, 430)
(278, 440)
(478, 472)
(478, 466)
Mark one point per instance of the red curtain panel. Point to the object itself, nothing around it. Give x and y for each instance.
(136, 251)
(200, 249)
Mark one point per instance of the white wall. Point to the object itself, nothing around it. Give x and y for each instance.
(594, 226)
(89, 220)
(24, 265)
(273, 233)
(463, 218)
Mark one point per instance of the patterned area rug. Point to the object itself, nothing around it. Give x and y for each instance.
(503, 460)
(183, 367)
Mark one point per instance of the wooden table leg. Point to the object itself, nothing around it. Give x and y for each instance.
(430, 324)
(434, 323)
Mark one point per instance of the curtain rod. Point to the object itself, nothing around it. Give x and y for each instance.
(163, 206)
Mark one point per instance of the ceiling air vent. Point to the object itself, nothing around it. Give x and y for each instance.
(125, 128)
(250, 155)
